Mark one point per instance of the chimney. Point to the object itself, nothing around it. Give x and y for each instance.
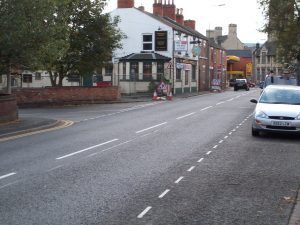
(190, 24)
(179, 16)
(218, 31)
(142, 8)
(232, 30)
(169, 10)
(158, 8)
(210, 34)
(125, 4)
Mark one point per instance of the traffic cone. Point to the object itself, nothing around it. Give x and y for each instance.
(170, 96)
(154, 97)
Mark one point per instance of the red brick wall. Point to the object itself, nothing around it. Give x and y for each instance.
(66, 95)
(190, 24)
(125, 3)
(8, 108)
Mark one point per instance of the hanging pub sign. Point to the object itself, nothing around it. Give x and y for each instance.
(181, 46)
(161, 41)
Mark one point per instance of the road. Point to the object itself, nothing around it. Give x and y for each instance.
(187, 161)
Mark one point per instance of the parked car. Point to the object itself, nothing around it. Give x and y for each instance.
(277, 110)
(241, 84)
(232, 82)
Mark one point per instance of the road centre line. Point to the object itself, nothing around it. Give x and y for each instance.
(142, 214)
(164, 193)
(215, 146)
(178, 180)
(208, 107)
(181, 117)
(208, 153)
(219, 103)
(149, 128)
(86, 149)
(112, 147)
(221, 141)
(190, 169)
(7, 175)
(200, 160)
(225, 137)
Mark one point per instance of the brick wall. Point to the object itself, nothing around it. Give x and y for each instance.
(65, 95)
(8, 108)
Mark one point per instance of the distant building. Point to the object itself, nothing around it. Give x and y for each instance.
(241, 68)
(228, 42)
(265, 60)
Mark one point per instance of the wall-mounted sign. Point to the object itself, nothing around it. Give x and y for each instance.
(196, 50)
(161, 41)
(183, 66)
(181, 46)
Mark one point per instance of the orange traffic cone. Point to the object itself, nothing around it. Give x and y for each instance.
(154, 97)
(170, 96)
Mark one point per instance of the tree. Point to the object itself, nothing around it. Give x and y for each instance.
(283, 23)
(22, 34)
(92, 37)
(64, 37)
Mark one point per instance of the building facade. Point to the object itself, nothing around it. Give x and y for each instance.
(160, 46)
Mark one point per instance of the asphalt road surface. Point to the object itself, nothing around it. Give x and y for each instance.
(187, 161)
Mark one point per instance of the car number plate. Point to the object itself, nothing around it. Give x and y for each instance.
(281, 123)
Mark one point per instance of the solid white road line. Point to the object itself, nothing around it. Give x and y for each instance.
(164, 193)
(86, 149)
(7, 175)
(181, 117)
(144, 212)
(178, 180)
(149, 128)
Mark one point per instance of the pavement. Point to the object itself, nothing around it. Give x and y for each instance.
(27, 125)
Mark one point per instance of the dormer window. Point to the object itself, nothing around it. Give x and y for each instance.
(147, 42)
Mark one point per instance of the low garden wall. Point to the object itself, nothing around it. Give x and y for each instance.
(8, 108)
(28, 97)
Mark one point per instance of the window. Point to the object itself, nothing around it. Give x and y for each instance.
(1, 79)
(124, 71)
(147, 70)
(264, 58)
(193, 73)
(147, 42)
(134, 70)
(108, 69)
(178, 74)
(186, 79)
(160, 71)
(27, 78)
(38, 76)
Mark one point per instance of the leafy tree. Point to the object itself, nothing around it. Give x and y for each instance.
(92, 38)
(22, 34)
(283, 23)
(64, 37)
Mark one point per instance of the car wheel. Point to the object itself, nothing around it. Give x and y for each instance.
(255, 133)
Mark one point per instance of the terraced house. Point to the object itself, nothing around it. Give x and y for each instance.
(162, 45)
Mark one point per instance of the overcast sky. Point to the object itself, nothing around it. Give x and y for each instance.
(211, 13)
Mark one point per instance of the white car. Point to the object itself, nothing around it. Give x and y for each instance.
(277, 110)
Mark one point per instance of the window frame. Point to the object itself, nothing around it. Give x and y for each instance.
(147, 42)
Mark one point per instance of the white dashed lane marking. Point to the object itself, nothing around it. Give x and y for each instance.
(7, 175)
(164, 193)
(142, 214)
(178, 180)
